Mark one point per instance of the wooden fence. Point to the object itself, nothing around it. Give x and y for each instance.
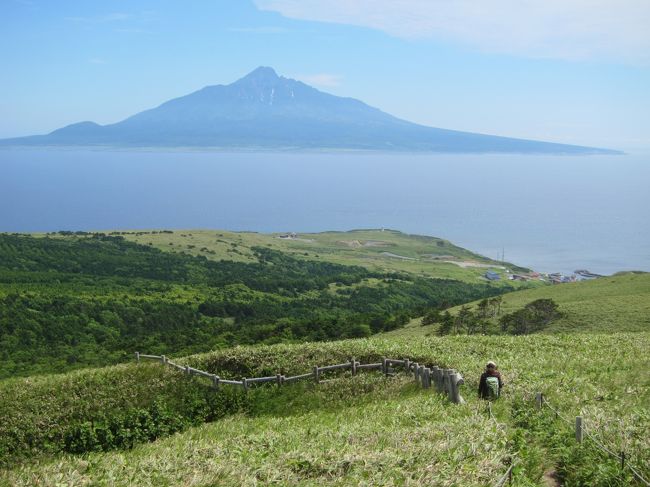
(445, 381)
(581, 432)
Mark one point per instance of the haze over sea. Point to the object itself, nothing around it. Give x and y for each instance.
(550, 213)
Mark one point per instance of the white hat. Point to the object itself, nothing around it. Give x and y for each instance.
(491, 364)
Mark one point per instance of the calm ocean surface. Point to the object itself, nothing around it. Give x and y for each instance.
(551, 213)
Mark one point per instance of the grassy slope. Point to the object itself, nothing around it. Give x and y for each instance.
(356, 247)
(385, 441)
(370, 429)
(80, 300)
(611, 304)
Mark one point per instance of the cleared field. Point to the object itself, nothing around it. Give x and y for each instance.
(382, 250)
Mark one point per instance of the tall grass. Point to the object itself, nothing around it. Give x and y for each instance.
(366, 429)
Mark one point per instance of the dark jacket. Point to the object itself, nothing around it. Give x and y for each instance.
(482, 385)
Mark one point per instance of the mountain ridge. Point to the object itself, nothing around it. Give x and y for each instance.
(265, 111)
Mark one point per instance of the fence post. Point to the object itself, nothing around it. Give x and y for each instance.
(407, 364)
(539, 400)
(448, 386)
(426, 382)
(421, 375)
(454, 379)
(415, 371)
(452, 386)
(137, 357)
(278, 379)
(459, 381)
(353, 362)
(435, 370)
(163, 360)
(316, 374)
(215, 381)
(579, 429)
(384, 366)
(187, 370)
(244, 383)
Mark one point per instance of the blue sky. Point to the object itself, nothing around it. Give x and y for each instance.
(572, 71)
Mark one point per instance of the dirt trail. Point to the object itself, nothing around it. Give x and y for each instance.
(550, 478)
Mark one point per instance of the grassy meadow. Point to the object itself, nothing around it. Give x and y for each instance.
(367, 430)
(144, 424)
(619, 303)
(378, 250)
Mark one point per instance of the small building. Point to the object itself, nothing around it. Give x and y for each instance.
(492, 276)
(519, 277)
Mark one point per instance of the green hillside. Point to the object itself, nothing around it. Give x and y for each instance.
(377, 250)
(367, 429)
(72, 301)
(75, 300)
(619, 303)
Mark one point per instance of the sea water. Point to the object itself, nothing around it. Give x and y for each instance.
(550, 213)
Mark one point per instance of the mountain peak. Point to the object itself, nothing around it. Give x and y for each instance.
(264, 110)
(263, 73)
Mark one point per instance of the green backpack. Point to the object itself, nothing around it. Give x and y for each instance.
(492, 387)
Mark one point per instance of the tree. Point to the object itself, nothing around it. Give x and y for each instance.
(543, 311)
(463, 320)
(359, 331)
(495, 304)
(432, 316)
(533, 317)
(446, 324)
(483, 309)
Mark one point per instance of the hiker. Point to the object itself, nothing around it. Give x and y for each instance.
(489, 387)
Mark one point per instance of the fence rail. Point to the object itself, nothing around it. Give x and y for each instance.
(368, 366)
(446, 381)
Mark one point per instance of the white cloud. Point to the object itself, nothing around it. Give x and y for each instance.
(324, 80)
(565, 29)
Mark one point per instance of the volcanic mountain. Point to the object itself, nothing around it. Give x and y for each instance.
(269, 112)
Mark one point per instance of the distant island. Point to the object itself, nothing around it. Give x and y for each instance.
(264, 111)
